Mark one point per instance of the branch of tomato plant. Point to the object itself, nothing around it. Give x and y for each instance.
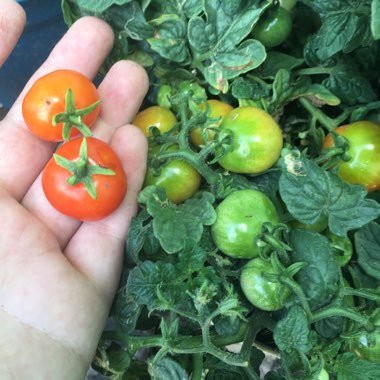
(337, 311)
(197, 367)
(329, 123)
(370, 294)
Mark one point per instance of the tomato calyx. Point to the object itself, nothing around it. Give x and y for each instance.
(81, 170)
(72, 117)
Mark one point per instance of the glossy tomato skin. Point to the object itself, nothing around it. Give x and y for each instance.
(257, 140)
(259, 291)
(367, 346)
(47, 97)
(75, 201)
(179, 179)
(154, 116)
(218, 110)
(274, 27)
(364, 149)
(239, 219)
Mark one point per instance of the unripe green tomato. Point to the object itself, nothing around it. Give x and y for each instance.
(273, 27)
(257, 140)
(163, 96)
(239, 219)
(179, 179)
(261, 292)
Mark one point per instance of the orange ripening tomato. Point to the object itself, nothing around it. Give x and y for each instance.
(218, 110)
(364, 149)
(75, 200)
(47, 98)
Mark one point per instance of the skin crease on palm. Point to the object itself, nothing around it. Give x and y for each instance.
(58, 276)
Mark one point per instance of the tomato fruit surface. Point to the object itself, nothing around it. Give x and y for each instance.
(273, 28)
(74, 200)
(257, 140)
(179, 179)
(259, 291)
(218, 110)
(364, 149)
(154, 116)
(367, 345)
(47, 98)
(239, 219)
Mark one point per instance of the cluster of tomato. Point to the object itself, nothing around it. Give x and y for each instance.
(85, 178)
(256, 147)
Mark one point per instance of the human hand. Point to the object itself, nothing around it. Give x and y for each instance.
(58, 276)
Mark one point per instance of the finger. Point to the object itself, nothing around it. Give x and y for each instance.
(22, 155)
(96, 249)
(122, 92)
(12, 21)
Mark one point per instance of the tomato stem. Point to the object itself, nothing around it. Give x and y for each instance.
(81, 171)
(72, 117)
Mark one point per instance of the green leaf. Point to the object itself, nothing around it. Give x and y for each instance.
(145, 279)
(349, 367)
(349, 85)
(169, 38)
(311, 193)
(341, 31)
(100, 6)
(217, 40)
(375, 19)
(166, 369)
(276, 61)
(292, 331)
(367, 244)
(319, 279)
(186, 219)
(246, 88)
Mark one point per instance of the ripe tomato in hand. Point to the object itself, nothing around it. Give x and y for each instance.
(75, 200)
(154, 116)
(257, 140)
(47, 98)
(364, 149)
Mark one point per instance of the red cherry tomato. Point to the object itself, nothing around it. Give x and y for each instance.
(47, 98)
(75, 200)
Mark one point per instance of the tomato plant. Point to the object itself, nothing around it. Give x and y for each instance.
(274, 27)
(367, 344)
(239, 219)
(155, 116)
(257, 140)
(61, 104)
(85, 179)
(363, 167)
(261, 292)
(218, 110)
(179, 179)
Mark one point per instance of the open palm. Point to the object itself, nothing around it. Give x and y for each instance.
(58, 276)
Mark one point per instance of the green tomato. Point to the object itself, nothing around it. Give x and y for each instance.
(342, 248)
(273, 27)
(257, 140)
(288, 4)
(260, 292)
(239, 219)
(367, 345)
(364, 149)
(163, 96)
(192, 89)
(154, 116)
(179, 179)
(323, 375)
